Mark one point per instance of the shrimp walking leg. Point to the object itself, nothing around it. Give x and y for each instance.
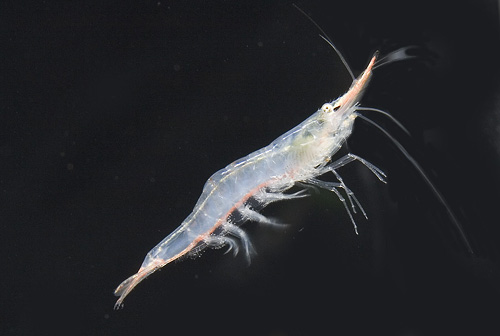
(333, 186)
(350, 194)
(352, 157)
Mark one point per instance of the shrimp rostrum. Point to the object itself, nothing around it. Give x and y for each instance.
(234, 194)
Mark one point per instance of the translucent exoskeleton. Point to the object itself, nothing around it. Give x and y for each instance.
(297, 158)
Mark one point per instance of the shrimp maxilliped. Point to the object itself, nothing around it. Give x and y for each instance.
(296, 158)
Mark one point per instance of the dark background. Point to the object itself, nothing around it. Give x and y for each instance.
(113, 115)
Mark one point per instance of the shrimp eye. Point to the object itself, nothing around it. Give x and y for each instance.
(327, 108)
(336, 107)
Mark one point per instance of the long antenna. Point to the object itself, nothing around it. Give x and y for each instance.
(427, 180)
(387, 114)
(325, 37)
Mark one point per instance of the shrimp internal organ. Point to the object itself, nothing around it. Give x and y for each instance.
(295, 158)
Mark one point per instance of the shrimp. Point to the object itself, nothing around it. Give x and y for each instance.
(235, 193)
(298, 156)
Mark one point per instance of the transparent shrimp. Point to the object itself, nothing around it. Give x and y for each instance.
(238, 192)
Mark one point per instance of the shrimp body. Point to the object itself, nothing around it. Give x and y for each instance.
(300, 155)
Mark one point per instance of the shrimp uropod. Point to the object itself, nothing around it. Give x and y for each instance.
(296, 158)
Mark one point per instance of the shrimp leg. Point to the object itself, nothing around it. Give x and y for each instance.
(220, 241)
(238, 232)
(265, 197)
(333, 186)
(253, 215)
(348, 158)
